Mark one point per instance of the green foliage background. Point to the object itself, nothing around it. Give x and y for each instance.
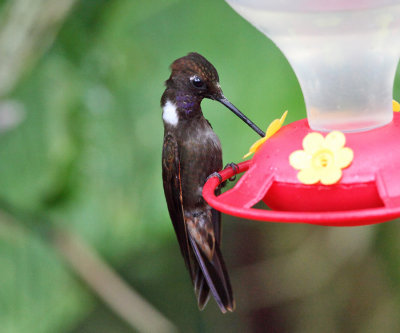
(88, 155)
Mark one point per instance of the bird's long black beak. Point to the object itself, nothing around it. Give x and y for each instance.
(235, 110)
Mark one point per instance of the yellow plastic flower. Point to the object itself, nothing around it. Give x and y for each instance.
(322, 158)
(271, 130)
(396, 106)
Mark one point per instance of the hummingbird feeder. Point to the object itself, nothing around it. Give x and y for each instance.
(341, 165)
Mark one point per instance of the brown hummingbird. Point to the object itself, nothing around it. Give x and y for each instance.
(192, 152)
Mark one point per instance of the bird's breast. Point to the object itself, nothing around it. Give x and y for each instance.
(202, 141)
(201, 155)
(209, 140)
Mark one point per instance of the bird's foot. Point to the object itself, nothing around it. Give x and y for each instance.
(215, 174)
(235, 169)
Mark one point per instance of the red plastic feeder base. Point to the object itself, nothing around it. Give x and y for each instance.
(369, 191)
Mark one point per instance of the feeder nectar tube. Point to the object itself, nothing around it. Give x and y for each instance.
(344, 53)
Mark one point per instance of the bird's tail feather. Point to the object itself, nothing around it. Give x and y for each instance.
(201, 288)
(216, 277)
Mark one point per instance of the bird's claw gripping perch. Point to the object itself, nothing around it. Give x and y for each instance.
(235, 169)
(215, 174)
(232, 165)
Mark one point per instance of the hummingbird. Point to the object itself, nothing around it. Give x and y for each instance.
(192, 152)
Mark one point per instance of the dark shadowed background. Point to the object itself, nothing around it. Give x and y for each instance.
(86, 244)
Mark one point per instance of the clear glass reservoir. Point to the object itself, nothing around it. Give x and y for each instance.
(344, 53)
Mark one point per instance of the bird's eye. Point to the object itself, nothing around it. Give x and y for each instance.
(197, 82)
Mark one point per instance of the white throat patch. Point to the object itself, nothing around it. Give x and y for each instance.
(170, 115)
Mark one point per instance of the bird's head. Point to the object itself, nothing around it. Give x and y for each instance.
(193, 75)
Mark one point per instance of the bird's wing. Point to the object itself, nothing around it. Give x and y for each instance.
(216, 220)
(206, 273)
(173, 194)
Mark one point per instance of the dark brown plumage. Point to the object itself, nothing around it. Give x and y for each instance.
(191, 152)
